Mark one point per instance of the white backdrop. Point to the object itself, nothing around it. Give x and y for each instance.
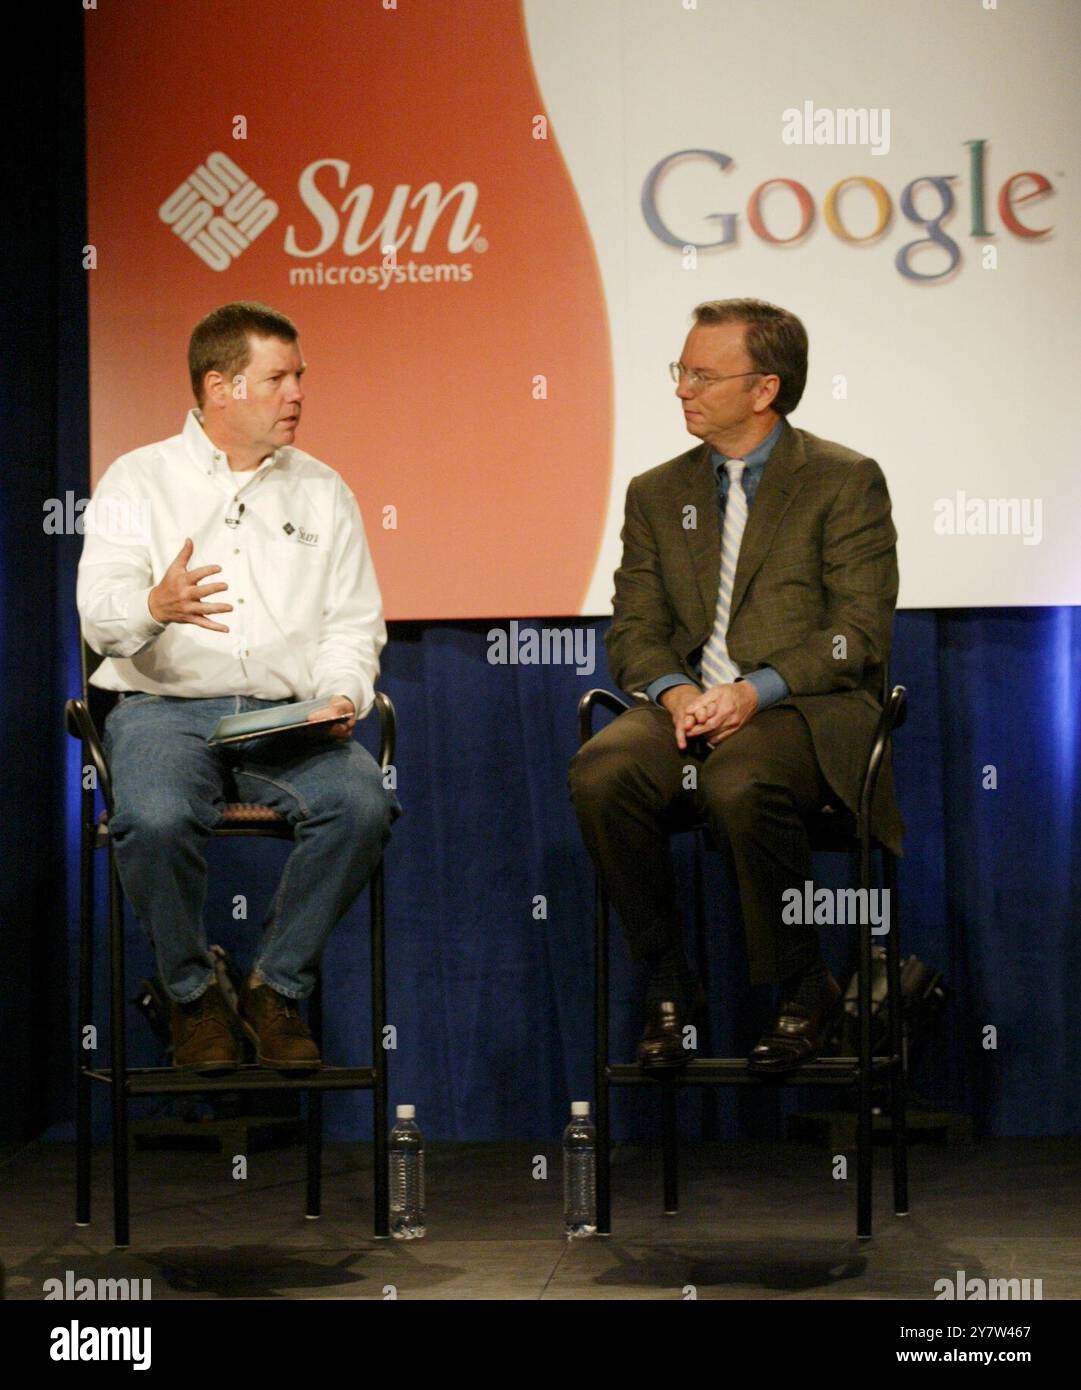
(963, 384)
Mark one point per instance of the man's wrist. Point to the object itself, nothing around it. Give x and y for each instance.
(144, 620)
(326, 690)
(655, 689)
(768, 684)
(665, 703)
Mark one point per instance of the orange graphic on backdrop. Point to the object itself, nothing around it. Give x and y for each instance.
(422, 394)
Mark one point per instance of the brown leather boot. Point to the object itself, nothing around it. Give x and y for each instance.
(206, 1035)
(280, 1035)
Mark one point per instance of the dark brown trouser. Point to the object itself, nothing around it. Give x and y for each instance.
(629, 787)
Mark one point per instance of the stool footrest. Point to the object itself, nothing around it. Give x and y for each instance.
(163, 1081)
(733, 1071)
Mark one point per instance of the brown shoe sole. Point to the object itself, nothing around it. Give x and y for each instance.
(275, 1065)
(206, 1068)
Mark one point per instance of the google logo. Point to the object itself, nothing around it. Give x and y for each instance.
(1017, 189)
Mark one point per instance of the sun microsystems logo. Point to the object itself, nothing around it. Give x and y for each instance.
(218, 211)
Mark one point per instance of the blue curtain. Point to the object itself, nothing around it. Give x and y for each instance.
(489, 892)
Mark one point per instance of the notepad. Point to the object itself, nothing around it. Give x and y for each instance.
(278, 719)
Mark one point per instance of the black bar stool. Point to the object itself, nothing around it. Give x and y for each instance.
(239, 820)
(835, 830)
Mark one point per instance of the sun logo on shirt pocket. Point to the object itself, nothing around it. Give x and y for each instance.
(303, 537)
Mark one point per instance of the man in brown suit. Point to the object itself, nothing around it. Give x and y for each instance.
(753, 608)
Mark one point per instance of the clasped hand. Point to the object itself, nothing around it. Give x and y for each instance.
(714, 714)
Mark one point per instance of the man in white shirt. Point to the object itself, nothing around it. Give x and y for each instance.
(225, 571)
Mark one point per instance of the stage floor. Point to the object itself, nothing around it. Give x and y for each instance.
(758, 1220)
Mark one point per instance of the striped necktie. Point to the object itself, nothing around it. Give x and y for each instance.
(717, 666)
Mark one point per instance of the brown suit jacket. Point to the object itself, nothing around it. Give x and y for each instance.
(814, 593)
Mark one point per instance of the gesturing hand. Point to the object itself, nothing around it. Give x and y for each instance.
(180, 598)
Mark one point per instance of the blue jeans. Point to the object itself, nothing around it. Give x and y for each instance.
(169, 789)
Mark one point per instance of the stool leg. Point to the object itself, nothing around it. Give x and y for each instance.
(671, 1149)
(600, 1061)
(314, 1113)
(314, 1134)
(710, 1112)
(86, 1011)
(380, 1151)
(898, 1072)
(864, 1134)
(119, 1087)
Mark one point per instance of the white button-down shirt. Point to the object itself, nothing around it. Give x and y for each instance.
(307, 617)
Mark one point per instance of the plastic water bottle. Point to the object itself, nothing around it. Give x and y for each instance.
(406, 1176)
(580, 1173)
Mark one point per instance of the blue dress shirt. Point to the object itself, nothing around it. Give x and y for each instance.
(769, 684)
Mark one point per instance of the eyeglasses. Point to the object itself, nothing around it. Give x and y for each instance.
(698, 381)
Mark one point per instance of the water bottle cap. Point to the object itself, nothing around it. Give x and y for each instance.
(579, 1107)
(405, 1112)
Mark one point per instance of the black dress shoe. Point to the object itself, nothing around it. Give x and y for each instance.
(662, 1046)
(797, 1033)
